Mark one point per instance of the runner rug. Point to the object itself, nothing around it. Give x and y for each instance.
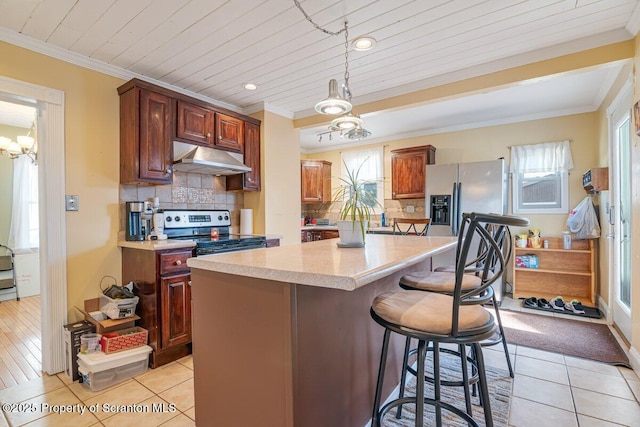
(576, 338)
(499, 384)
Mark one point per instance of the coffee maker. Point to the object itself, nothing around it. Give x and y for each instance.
(135, 224)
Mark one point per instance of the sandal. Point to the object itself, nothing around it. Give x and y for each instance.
(531, 302)
(575, 307)
(557, 303)
(543, 303)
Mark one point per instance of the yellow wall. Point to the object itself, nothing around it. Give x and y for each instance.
(92, 164)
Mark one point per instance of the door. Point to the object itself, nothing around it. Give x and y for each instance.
(229, 133)
(175, 303)
(440, 181)
(620, 216)
(155, 139)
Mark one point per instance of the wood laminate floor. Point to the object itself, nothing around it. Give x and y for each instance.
(20, 341)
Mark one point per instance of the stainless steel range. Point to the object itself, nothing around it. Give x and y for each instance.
(210, 229)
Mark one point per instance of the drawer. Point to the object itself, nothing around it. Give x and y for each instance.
(173, 262)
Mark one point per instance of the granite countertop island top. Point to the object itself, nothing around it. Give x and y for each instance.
(323, 264)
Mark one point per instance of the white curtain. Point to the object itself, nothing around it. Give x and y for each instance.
(24, 230)
(544, 157)
(371, 161)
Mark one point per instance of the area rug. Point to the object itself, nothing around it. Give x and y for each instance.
(499, 384)
(586, 340)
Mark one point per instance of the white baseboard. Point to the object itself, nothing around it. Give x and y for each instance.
(604, 309)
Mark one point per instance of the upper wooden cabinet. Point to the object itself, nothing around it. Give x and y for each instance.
(408, 169)
(146, 152)
(316, 181)
(194, 124)
(201, 125)
(249, 181)
(229, 133)
(152, 117)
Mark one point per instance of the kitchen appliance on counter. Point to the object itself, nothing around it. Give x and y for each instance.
(454, 189)
(210, 229)
(135, 222)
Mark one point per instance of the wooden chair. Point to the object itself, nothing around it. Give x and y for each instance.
(423, 223)
(8, 270)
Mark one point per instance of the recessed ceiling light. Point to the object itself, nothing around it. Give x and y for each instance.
(250, 86)
(364, 43)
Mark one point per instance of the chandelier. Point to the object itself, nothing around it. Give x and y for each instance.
(336, 104)
(25, 145)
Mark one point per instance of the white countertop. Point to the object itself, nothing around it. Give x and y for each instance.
(323, 264)
(157, 245)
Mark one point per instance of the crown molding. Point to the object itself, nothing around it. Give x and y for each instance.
(265, 106)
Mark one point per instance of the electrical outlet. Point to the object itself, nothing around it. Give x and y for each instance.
(411, 209)
(71, 203)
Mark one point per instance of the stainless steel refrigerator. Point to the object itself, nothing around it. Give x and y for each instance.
(454, 189)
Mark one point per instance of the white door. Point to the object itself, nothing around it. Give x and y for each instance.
(620, 215)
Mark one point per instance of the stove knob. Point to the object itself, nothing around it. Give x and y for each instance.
(168, 219)
(219, 217)
(226, 217)
(177, 218)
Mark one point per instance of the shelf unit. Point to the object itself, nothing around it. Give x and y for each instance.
(569, 273)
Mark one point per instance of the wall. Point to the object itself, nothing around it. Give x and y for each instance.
(491, 143)
(6, 182)
(92, 164)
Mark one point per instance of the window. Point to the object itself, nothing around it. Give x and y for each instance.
(24, 230)
(540, 175)
(370, 162)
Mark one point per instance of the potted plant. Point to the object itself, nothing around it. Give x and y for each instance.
(358, 203)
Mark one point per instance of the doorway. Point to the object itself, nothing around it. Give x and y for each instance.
(620, 212)
(51, 184)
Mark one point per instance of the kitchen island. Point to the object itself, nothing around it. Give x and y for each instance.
(283, 337)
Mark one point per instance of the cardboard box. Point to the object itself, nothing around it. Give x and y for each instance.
(106, 325)
(72, 333)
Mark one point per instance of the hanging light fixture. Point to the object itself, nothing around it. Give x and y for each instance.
(25, 145)
(358, 133)
(348, 121)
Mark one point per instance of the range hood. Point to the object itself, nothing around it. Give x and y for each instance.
(205, 160)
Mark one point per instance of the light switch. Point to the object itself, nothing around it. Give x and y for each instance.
(71, 203)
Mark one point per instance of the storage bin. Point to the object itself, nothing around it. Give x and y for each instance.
(124, 339)
(100, 370)
(118, 308)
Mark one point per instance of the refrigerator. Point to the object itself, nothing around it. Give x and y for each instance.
(454, 189)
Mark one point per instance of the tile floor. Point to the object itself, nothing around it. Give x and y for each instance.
(549, 389)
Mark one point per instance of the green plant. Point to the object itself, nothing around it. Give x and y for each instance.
(358, 203)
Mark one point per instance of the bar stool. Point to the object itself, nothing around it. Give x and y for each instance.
(478, 269)
(438, 318)
(423, 223)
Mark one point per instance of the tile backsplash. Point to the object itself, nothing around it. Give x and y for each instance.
(392, 209)
(188, 191)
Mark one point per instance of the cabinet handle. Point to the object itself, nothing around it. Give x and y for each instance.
(219, 136)
(208, 135)
(178, 262)
(189, 282)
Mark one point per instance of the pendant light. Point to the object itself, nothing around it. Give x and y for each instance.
(334, 103)
(358, 133)
(346, 122)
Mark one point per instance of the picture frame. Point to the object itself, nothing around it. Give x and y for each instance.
(636, 117)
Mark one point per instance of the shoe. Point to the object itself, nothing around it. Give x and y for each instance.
(531, 302)
(575, 307)
(543, 303)
(557, 303)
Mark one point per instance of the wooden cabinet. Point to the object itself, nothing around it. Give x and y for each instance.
(316, 181)
(162, 281)
(249, 181)
(408, 170)
(194, 124)
(229, 133)
(146, 148)
(569, 273)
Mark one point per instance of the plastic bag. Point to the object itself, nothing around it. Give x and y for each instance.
(583, 221)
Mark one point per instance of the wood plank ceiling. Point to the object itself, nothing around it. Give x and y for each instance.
(212, 47)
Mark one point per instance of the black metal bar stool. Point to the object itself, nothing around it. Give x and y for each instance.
(439, 318)
(478, 269)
